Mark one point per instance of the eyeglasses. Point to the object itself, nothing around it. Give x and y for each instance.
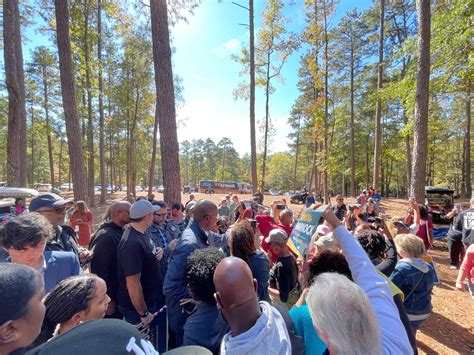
(57, 210)
(160, 214)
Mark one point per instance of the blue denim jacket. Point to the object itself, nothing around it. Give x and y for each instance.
(415, 278)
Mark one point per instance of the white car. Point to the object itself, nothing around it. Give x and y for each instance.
(66, 186)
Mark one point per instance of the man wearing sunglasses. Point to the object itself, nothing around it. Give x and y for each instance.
(53, 207)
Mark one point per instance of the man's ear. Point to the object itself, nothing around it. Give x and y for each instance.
(9, 332)
(255, 285)
(218, 300)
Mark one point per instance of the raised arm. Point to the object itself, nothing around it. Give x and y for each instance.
(395, 339)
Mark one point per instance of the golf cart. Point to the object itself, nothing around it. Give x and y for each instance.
(439, 202)
(7, 200)
(299, 197)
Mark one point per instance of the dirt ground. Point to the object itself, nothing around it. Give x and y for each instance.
(450, 328)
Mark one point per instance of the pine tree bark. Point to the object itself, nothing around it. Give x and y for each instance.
(76, 156)
(165, 101)
(420, 148)
(48, 125)
(378, 109)
(15, 83)
(267, 123)
(467, 147)
(90, 117)
(253, 141)
(352, 143)
(102, 165)
(407, 150)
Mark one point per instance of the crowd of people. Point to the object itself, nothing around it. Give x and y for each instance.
(223, 279)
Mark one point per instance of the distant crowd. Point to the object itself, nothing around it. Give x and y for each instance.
(203, 278)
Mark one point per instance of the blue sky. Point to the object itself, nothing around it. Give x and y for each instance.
(204, 46)
(203, 59)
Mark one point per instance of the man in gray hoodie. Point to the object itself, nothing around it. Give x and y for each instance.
(256, 327)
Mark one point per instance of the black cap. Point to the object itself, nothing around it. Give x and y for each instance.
(105, 337)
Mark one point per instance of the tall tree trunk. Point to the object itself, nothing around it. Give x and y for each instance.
(165, 101)
(48, 126)
(151, 174)
(367, 164)
(33, 151)
(60, 161)
(90, 117)
(296, 153)
(102, 165)
(267, 123)
(15, 83)
(326, 106)
(378, 109)
(420, 148)
(467, 147)
(76, 156)
(352, 144)
(407, 150)
(253, 141)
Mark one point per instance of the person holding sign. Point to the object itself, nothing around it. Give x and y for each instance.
(284, 274)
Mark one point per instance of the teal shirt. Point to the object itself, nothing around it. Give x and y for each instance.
(223, 211)
(305, 328)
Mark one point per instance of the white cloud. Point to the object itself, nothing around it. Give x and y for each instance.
(227, 48)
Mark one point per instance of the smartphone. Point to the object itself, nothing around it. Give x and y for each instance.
(253, 223)
(280, 206)
(379, 222)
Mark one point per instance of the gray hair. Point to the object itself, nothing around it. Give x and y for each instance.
(25, 231)
(342, 314)
(410, 244)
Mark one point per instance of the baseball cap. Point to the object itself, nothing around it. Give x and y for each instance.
(277, 235)
(156, 208)
(105, 337)
(326, 242)
(140, 209)
(401, 224)
(47, 199)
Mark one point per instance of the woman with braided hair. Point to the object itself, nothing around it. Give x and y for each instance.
(73, 301)
(243, 244)
(381, 251)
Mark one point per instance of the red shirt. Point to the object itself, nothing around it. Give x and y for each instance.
(265, 225)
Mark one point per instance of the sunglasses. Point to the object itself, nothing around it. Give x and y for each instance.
(160, 214)
(55, 210)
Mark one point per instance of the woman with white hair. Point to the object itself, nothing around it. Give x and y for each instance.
(414, 277)
(360, 317)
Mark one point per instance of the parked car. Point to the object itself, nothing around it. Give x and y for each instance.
(67, 186)
(274, 192)
(299, 197)
(439, 202)
(161, 189)
(186, 189)
(43, 187)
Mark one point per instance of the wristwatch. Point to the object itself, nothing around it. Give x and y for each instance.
(144, 314)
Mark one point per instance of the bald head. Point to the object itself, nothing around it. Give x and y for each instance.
(234, 283)
(119, 212)
(202, 209)
(286, 217)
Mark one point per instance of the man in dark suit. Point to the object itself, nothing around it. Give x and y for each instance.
(25, 238)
